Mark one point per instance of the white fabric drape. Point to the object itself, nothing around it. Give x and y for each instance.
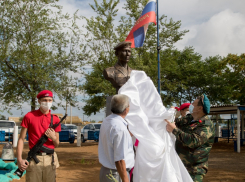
(156, 158)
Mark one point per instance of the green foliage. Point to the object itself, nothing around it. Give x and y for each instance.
(82, 161)
(232, 71)
(40, 46)
(185, 76)
(215, 84)
(103, 35)
(2, 117)
(100, 39)
(181, 74)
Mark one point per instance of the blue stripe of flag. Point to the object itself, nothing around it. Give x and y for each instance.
(151, 6)
(139, 37)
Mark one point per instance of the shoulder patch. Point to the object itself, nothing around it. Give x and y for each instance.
(193, 125)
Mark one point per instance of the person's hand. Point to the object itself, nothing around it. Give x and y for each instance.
(173, 107)
(50, 133)
(170, 126)
(22, 164)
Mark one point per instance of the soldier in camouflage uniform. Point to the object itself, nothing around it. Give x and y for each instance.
(194, 138)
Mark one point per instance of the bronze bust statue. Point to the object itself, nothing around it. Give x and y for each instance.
(119, 74)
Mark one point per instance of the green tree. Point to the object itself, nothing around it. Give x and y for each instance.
(216, 87)
(103, 35)
(39, 48)
(181, 78)
(185, 76)
(233, 73)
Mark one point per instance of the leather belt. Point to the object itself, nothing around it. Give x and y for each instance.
(42, 153)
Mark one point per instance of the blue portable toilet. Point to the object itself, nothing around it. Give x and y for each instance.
(2, 136)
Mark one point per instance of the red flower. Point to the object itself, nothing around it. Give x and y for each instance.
(200, 121)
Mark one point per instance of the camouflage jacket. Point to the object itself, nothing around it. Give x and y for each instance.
(194, 140)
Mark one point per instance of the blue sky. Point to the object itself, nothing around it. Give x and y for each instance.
(216, 27)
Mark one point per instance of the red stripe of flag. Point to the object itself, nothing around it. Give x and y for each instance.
(146, 18)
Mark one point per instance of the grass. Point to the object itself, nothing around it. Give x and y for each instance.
(72, 161)
(84, 161)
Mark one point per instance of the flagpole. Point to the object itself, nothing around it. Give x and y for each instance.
(158, 51)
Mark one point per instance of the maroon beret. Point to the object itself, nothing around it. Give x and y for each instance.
(183, 106)
(45, 93)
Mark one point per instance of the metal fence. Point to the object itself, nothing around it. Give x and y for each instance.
(227, 128)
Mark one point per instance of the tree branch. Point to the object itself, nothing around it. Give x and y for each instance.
(22, 81)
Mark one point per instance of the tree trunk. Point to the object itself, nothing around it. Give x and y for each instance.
(33, 103)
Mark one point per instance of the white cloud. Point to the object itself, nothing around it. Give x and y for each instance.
(223, 33)
(195, 11)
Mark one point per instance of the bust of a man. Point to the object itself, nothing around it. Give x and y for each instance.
(119, 74)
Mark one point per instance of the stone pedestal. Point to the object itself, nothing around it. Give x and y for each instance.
(79, 136)
(108, 105)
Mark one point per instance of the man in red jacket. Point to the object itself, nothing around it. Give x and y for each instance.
(38, 123)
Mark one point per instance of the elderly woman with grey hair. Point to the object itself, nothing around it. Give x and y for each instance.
(115, 143)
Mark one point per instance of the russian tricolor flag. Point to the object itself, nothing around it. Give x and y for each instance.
(138, 32)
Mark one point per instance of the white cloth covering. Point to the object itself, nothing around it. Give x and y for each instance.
(156, 158)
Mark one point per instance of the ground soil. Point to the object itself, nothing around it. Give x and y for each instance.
(80, 164)
(226, 165)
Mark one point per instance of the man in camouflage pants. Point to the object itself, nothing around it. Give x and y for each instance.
(194, 137)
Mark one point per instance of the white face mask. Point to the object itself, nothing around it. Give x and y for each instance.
(191, 107)
(46, 105)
